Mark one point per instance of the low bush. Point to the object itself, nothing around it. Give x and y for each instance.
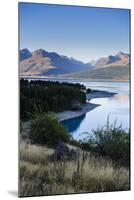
(112, 141)
(45, 129)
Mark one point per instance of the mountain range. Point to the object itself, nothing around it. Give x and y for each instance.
(44, 63)
(120, 59)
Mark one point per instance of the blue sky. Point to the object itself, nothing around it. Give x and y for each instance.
(81, 32)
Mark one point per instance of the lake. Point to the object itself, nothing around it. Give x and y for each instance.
(116, 107)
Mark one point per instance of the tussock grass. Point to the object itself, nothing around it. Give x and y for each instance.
(34, 154)
(88, 173)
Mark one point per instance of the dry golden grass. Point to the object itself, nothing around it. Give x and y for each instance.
(89, 173)
(34, 154)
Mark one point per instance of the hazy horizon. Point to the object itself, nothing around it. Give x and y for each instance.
(84, 33)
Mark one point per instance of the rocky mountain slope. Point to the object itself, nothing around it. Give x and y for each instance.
(120, 59)
(43, 63)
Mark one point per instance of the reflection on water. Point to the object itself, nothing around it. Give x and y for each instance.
(116, 107)
(72, 125)
(122, 98)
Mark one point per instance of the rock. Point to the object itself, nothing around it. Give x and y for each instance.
(63, 152)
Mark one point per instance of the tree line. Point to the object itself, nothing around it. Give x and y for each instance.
(49, 96)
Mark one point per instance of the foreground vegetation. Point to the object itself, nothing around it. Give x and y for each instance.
(45, 129)
(39, 175)
(51, 162)
(112, 141)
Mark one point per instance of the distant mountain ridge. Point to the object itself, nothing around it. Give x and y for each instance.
(108, 68)
(41, 62)
(44, 63)
(120, 59)
(25, 54)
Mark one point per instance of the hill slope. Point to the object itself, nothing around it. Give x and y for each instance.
(108, 68)
(106, 73)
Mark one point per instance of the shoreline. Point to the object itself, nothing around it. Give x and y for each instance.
(83, 109)
(73, 79)
(99, 94)
(69, 114)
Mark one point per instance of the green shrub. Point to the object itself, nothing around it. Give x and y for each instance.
(45, 129)
(112, 141)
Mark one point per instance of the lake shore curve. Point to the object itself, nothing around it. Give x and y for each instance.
(83, 109)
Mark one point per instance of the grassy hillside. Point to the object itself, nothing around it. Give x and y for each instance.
(113, 72)
(88, 173)
(97, 164)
